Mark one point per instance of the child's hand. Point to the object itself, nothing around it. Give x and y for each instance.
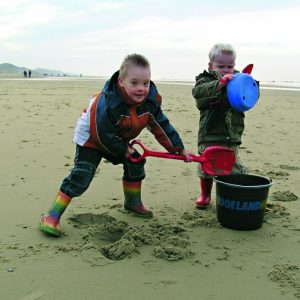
(187, 155)
(225, 79)
(129, 152)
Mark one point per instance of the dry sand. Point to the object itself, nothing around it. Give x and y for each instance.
(105, 253)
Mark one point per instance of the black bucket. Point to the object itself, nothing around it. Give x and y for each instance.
(241, 200)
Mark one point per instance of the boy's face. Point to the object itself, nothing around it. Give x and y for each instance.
(223, 63)
(136, 83)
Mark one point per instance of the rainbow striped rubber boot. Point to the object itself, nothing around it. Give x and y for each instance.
(49, 222)
(133, 202)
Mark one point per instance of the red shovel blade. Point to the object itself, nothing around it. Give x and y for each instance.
(217, 160)
(248, 69)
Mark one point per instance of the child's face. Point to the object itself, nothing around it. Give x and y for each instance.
(223, 63)
(136, 83)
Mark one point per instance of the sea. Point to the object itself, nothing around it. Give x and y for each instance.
(267, 85)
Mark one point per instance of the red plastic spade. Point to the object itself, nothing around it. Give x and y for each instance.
(248, 69)
(215, 160)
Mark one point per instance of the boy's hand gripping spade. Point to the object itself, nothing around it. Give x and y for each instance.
(215, 160)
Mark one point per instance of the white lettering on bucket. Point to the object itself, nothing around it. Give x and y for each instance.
(238, 205)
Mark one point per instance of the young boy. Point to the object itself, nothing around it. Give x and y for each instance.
(218, 124)
(128, 103)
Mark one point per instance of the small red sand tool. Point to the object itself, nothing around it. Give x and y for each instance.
(215, 160)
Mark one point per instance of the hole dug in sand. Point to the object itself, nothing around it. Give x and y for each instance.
(117, 240)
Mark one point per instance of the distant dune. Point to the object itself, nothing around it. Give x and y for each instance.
(10, 70)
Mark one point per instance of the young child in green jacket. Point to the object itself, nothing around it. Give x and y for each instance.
(219, 124)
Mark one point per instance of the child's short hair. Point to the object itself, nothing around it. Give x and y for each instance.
(133, 59)
(217, 48)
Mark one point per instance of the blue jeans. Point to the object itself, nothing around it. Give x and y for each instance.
(85, 164)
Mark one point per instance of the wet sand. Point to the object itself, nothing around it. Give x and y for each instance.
(106, 253)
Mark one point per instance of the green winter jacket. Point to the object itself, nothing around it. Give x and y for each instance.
(218, 122)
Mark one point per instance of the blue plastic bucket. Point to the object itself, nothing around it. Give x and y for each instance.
(242, 92)
(241, 200)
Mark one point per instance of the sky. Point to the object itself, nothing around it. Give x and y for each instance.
(93, 37)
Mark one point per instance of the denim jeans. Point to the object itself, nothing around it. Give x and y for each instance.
(87, 161)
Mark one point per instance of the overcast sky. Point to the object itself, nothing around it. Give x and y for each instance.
(92, 37)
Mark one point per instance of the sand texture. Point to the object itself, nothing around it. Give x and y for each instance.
(106, 253)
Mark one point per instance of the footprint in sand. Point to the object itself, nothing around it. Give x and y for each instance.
(287, 277)
(273, 174)
(284, 196)
(277, 174)
(287, 167)
(206, 218)
(274, 210)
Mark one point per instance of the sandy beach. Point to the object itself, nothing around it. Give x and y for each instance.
(106, 253)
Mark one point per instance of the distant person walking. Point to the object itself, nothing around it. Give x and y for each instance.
(29, 73)
(25, 74)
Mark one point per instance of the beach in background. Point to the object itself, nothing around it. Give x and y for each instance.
(105, 253)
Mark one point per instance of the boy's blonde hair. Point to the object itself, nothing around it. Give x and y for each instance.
(218, 48)
(133, 59)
